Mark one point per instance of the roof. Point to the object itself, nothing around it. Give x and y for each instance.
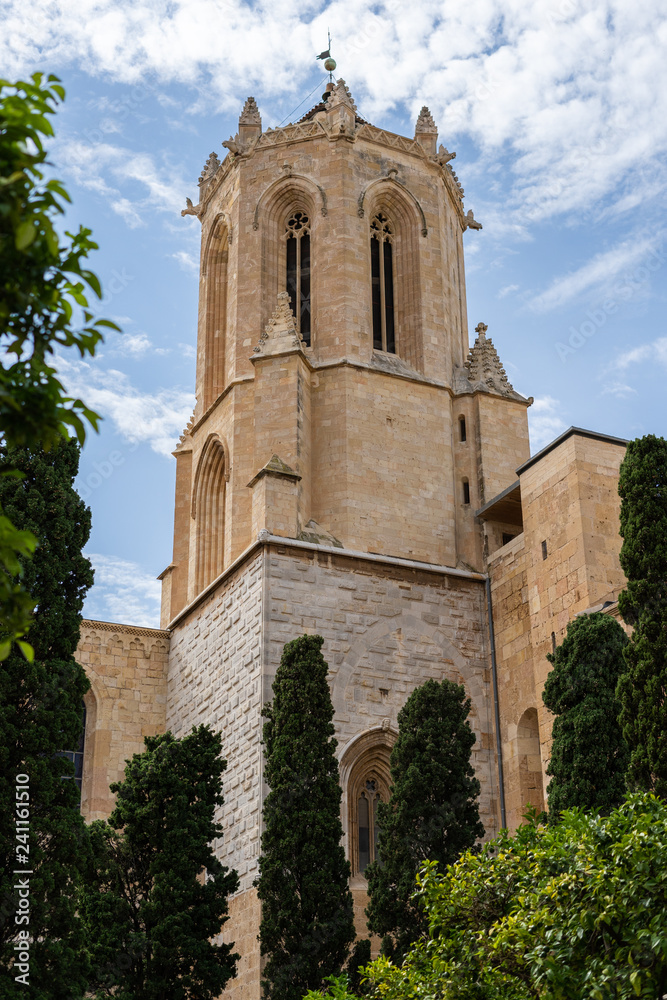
(322, 107)
(580, 432)
(506, 507)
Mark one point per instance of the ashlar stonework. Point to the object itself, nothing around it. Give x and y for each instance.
(355, 469)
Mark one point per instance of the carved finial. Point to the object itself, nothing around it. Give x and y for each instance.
(484, 369)
(210, 168)
(250, 114)
(341, 95)
(426, 132)
(425, 121)
(280, 334)
(471, 222)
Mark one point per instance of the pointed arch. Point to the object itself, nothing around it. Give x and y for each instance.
(213, 332)
(389, 199)
(284, 198)
(208, 511)
(365, 779)
(523, 766)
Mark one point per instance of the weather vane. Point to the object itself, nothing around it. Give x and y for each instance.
(329, 63)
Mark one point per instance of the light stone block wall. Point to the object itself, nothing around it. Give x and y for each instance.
(570, 501)
(215, 679)
(386, 629)
(127, 669)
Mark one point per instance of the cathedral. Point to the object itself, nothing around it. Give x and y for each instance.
(353, 469)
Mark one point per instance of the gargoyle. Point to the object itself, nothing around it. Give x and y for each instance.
(443, 156)
(471, 222)
(233, 145)
(192, 209)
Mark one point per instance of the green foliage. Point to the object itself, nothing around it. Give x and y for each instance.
(557, 912)
(432, 813)
(358, 960)
(335, 987)
(642, 689)
(589, 757)
(154, 892)
(44, 289)
(307, 919)
(40, 715)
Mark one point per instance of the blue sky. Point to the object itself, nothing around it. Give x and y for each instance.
(557, 112)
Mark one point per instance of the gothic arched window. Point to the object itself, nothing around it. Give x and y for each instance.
(209, 513)
(368, 829)
(211, 359)
(297, 235)
(382, 283)
(76, 756)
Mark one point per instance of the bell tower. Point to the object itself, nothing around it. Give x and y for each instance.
(343, 437)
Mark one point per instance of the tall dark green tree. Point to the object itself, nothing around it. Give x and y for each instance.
(307, 919)
(40, 715)
(589, 756)
(155, 893)
(44, 306)
(432, 813)
(642, 688)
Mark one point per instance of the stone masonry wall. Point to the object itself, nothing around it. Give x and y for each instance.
(386, 630)
(127, 669)
(215, 678)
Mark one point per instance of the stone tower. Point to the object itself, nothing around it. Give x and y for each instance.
(343, 437)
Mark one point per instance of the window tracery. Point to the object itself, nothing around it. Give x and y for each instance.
(297, 236)
(368, 828)
(382, 283)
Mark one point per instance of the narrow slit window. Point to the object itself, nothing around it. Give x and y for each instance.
(462, 428)
(553, 642)
(466, 491)
(544, 550)
(298, 271)
(382, 284)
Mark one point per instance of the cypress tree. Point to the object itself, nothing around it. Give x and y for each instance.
(589, 757)
(154, 893)
(307, 921)
(41, 715)
(432, 813)
(642, 688)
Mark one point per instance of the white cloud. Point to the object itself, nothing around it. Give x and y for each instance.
(577, 92)
(153, 418)
(619, 389)
(507, 290)
(599, 273)
(544, 422)
(185, 261)
(132, 345)
(101, 167)
(122, 592)
(655, 352)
